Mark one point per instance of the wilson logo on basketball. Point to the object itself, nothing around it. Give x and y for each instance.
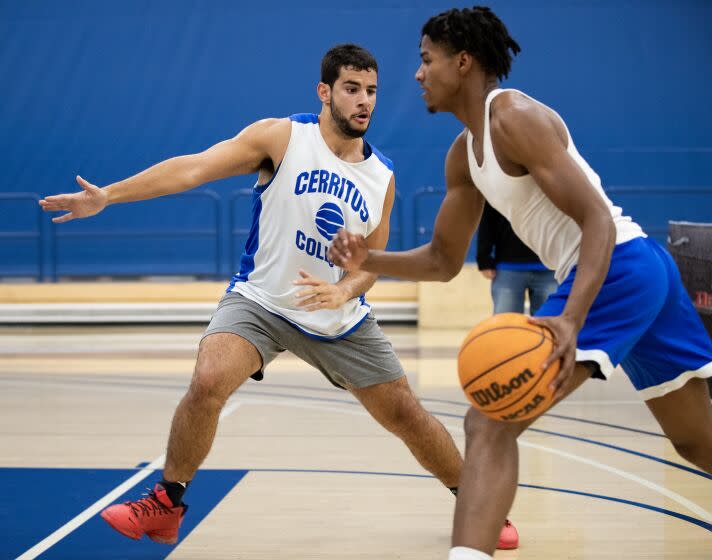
(497, 391)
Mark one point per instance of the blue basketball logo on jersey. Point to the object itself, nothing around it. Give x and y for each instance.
(329, 220)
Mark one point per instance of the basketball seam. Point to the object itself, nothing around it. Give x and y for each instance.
(540, 331)
(543, 337)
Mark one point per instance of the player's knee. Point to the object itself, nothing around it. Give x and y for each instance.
(208, 384)
(477, 424)
(406, 416)
(480, 427)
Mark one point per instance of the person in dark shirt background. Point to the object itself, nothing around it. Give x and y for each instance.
(512, 266)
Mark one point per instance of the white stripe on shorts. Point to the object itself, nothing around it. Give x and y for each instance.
(674, 384)
(598, 356)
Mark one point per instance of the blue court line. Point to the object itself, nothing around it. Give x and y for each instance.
(538, 430)
(36, 502)
(95, 539)
(467, 405)
(681, 516)
(572, 418)
(608, 445)
(606, 424)
(626, 450)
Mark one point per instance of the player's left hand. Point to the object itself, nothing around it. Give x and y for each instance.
(320, 294)
(565, 332)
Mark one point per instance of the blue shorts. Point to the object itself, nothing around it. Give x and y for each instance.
(643, 320)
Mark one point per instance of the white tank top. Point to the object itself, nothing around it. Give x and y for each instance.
(551, 234)
(294, 218)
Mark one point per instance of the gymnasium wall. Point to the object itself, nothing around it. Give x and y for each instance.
(105, 89)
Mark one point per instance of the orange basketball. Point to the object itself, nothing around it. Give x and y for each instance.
(500, 367)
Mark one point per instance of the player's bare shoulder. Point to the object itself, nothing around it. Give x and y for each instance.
(275, 126)
(514, 115)
(511, 110)
(272, 135)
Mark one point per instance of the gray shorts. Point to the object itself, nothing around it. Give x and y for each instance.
(364, 357)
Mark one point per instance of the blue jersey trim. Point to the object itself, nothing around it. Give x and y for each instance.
(305, 118)
(319, 337)
(367, 149)
(520, 266)
(384, 160)
(247, 259)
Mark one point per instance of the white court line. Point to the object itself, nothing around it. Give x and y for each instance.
(100, 504)
(688, 504)
(692, 506)
(63, 531)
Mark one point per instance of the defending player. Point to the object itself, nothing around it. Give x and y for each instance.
(316, 174)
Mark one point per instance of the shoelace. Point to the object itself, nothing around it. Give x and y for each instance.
(148, 505)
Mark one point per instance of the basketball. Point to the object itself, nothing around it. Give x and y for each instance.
(499, 365)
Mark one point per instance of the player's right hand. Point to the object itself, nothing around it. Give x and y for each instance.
(348, 250)
(489, 273)
(565, 332)
(87, 202)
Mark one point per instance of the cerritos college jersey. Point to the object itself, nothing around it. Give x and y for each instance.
(296, 215)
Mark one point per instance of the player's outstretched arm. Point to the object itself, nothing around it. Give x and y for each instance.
(443, 257)
(245, 153)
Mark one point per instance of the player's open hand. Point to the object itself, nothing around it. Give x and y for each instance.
(319, 294)
(87, 202)
(348, 250)
(565, 332)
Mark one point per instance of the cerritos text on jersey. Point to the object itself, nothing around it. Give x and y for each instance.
(324, 181)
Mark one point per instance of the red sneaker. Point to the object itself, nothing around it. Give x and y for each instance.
(508, 537)
(153, 515)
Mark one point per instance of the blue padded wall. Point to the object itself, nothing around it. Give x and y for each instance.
(105, 89)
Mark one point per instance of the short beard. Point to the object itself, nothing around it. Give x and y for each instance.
(343, 123)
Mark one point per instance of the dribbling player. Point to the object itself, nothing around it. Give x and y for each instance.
(621, 300)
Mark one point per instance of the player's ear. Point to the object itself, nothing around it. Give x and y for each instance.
(464, 62)
(324, 92)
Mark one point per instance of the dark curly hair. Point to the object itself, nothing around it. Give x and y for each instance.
(478, 31)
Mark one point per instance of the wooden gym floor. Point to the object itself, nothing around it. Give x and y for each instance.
(299, 470)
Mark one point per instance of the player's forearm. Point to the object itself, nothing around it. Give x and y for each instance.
(598, 238)
(424, 263)
(168, 177)
(354, 284)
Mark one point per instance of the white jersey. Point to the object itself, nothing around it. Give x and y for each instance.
(552, 235)
(294, 218)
